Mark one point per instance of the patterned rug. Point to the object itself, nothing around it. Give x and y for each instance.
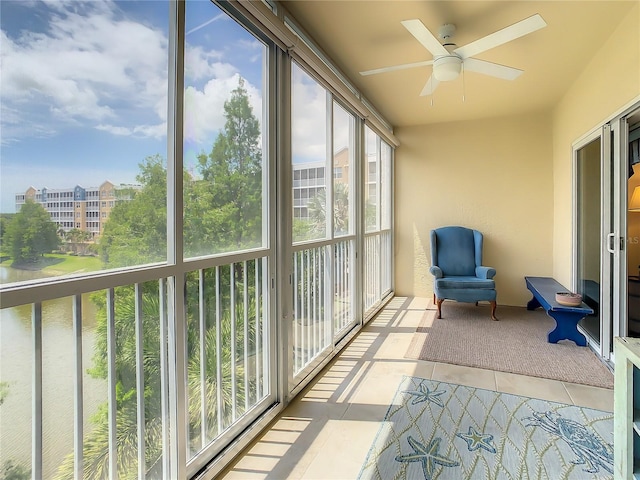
(437, 430)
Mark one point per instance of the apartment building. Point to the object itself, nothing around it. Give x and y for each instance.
(81, 208)
(309, 179)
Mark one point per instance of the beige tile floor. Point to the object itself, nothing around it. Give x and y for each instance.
(326, 432)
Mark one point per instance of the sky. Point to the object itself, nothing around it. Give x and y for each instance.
(83, 89)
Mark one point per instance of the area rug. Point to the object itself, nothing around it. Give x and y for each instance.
(437, 430)
(517, 343)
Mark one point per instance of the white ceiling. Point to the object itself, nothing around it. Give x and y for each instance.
(363, 35)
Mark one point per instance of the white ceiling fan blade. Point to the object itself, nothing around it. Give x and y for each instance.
(517, 30)
(430, 86)
(396, 67)
(425, 37)
(491, 69)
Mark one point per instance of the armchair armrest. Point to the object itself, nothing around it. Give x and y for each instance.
(436, 271)
(485, 272)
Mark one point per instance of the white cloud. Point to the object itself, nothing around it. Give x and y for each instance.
(155, 131)
(201, 64)
(95, 67)
(309, 112)
(14, 124)
(204, 108)
(90, 65)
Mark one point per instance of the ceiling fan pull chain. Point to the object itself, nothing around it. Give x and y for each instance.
(463, 85)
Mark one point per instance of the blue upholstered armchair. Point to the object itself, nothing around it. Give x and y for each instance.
(456, 264)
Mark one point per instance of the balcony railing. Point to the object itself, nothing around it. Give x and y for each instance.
(97, 405)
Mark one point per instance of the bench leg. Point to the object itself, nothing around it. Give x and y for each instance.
(533, 304)
(493, 310)
(439, 306)
(566, 328)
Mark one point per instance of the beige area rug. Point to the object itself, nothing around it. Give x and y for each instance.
(517, 343)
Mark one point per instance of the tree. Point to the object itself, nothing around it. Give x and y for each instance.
(31, 234)
(224, 211)
(317, 211)
(11, 471)
(136, 231)
(5, 219)
(77, 239)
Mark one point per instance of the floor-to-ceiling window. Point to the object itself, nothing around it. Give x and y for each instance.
(227, 250)
(377, 218)
(139, 329)
(83, 339)
(323, 224)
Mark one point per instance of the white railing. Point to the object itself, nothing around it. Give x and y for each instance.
(321, 313)
(377, 268)
(311, 330)
(99, 368)
(343, 286)
(229, 374)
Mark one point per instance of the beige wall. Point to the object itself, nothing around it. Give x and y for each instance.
(491, 175)
(511, 178)
(610, 81)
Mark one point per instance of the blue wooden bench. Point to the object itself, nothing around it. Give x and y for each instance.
(544, 291)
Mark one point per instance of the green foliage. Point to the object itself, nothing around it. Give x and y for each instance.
(5, 219)
(96, 447)
(30, 234)
(78, 240)
(222, 212)
(136, 231)
(11, 471)
(315, 226)
(4, 391)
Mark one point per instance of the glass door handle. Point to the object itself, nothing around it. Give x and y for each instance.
(611, 242)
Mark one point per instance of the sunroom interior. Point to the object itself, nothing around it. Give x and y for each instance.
(489, 154)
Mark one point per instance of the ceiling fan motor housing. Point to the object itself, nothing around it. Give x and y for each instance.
(447, 67)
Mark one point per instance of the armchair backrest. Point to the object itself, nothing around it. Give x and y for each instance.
(456, 250)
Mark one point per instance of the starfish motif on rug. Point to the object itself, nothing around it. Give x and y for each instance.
(476, 440)
(428, 456)
(423, 394)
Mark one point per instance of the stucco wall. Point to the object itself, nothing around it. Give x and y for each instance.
(610, 81)
(492, 175)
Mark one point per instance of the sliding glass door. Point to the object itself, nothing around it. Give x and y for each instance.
(607, 249)
(598, 245)
(589, 197)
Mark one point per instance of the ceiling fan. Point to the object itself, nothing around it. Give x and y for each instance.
(448, 60)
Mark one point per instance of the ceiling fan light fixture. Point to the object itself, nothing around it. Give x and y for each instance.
(447, 68)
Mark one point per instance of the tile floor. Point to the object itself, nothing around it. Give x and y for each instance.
(326, 432)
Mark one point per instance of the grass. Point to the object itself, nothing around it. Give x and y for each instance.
(71, 264)
(62, 264)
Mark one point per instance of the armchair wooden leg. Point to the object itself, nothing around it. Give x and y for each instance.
(493, 311)
(439, 306)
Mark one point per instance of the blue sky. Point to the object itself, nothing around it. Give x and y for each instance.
(84, 88)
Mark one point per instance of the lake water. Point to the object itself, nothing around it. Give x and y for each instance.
(58, 357)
